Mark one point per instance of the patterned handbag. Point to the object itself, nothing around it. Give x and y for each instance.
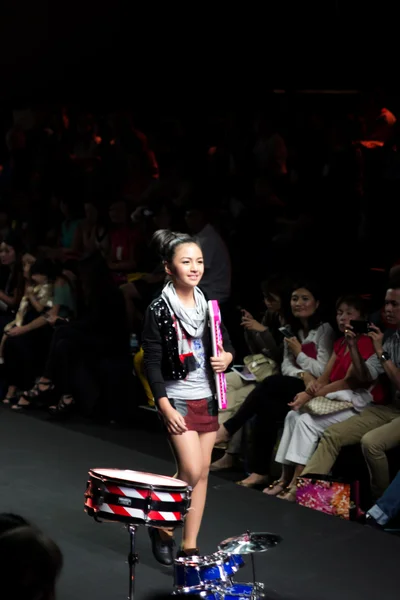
(324, 406)
(261, 366)
(332, 497)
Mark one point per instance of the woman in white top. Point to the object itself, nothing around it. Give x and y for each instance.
(308, 347)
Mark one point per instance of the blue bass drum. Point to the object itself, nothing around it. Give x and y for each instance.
(238, 591)
(195, 571)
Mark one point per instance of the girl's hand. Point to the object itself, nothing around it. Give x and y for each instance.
(220, 363)
(299, 401)
(294, 345)
(174, 421)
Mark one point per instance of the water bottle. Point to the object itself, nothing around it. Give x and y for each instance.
(134, 343)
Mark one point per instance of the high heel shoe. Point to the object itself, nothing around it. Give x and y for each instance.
(63, 409)
(37, 395)
(186, 553)
(162, 548)
(23, 407)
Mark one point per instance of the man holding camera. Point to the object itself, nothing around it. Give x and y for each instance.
(378, 426)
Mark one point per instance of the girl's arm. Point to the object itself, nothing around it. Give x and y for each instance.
(152, 347)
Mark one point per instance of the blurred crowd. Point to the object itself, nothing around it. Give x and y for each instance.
(292, 195)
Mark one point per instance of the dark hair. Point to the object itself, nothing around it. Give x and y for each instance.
(315, 320)
(281, 287)
(355, 302)
(13, 239)
(44, 266)
(166, 242)
(30, 563)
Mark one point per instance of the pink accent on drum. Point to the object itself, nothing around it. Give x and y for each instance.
(216, 338)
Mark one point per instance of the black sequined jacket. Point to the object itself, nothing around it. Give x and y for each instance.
(160, 345)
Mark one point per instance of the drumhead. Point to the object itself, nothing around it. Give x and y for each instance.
(139, 477)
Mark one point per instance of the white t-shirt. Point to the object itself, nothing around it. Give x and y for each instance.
(216, 281)
(198, 383)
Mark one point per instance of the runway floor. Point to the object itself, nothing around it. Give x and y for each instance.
(43, 477)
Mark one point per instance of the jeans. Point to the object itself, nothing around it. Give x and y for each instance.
(378, 430)
(388, 505)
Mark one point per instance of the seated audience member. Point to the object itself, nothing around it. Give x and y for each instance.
(62, 310)
(216, 281)
(302, 430)
(30, 562)
(376, 427)
(261, 338)
(27, 338)
(306, 353)
(12, 290)
(379, 318)
(92, 233)
(124, 242)
(101, 332)
(387, 507)
(38, 295)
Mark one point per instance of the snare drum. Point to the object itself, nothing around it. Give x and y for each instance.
(137, 498)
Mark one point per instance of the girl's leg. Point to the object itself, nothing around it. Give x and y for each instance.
(193, 455)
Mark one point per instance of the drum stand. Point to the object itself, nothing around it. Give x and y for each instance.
(133, 559)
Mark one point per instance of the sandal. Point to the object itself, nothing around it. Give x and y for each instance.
(63, 409)
(289, 494)
(21, 407)
(39, 395)
(276, 488)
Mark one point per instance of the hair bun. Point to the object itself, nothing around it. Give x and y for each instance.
(165, 242)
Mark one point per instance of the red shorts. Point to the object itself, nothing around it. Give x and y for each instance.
(199, 415)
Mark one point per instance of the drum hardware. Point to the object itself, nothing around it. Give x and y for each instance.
(136, 498)
(250, 543)
(133, 559)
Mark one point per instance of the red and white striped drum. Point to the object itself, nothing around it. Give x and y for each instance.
(137, 498)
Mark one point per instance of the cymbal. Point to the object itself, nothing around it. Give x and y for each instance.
(247, 543)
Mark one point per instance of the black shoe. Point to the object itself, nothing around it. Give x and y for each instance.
(370, 522)
(187, 553)
(163, 550)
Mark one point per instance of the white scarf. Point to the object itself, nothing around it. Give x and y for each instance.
(193, 322)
